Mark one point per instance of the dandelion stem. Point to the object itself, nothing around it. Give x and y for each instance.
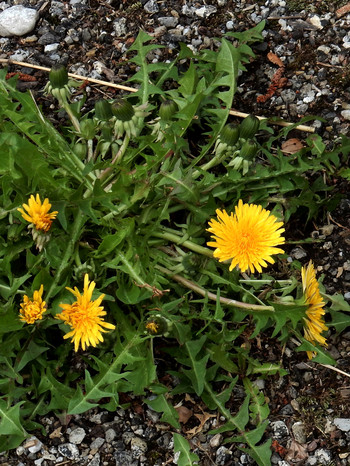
(180, 241)
(65, 105)
(131, 270)
(216, 160)
(68, 255)
(226, 301)
(117, 158)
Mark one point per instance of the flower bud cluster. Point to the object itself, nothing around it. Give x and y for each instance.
(127, 119)
(238, 142)
(167, 110)
(59, 83)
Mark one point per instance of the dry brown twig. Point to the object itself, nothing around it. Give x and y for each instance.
(308, 129)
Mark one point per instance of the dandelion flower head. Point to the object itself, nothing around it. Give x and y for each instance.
(314, 323)
(37, 213)
(248, 238)
(32, 309)
(152, 327)
(85, 317)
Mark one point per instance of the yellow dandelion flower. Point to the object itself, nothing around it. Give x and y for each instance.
(32, 309)
(314, 323)
(152, 327)
(249, 237)
(85, 317)
(38, 213)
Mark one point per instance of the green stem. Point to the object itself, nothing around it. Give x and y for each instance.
(267, 282)
(216, 160)
(68, 256)
(117, 158)
(65, 105)
(180, 241)
(90, 146)
(131, 270)
(226, 301)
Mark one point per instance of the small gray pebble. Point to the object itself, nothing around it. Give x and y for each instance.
(342, 423)
(97, 443)
(280, 429)
(123, 458)
(110, 435)
(138, 447)
(151, 6)
(96, 460)
(298, 253)
(298, 429)
(69, 450)
(168, 21)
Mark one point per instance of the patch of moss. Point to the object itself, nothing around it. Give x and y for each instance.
(320, 6)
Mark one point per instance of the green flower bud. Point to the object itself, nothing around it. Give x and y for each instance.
(58, 76)
(80, 150)
(159, 325)
(167, 109)
(229, 134)
(249, 127)
(123, 110)
(103, 110)
(249, 150)
(87, 129)
(192, 263)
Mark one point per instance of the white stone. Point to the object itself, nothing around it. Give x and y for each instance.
(19, 55)
(323, 456)
(77, 435)
(151, 6)
(316, 21)
(324, 48)
(280, 429)
(345, 114)
(215, 440)
(119, 26)
(34, 445)
(342, 423)
(17, 21)
(205, 11)
(51, 47)
(346, 42)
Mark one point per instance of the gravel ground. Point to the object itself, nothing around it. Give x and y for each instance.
(310, 412)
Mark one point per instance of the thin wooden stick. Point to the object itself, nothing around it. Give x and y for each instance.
(328, 366)
(308, 129)
(72, 75)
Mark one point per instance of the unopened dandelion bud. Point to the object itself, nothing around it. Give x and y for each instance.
(80, 271)
(123, 110)
(249, 149)
(167, 109)
(58, 76)
(103, 110)
(80, 149)
(249, 127)
(87, 129)
(229, 134)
